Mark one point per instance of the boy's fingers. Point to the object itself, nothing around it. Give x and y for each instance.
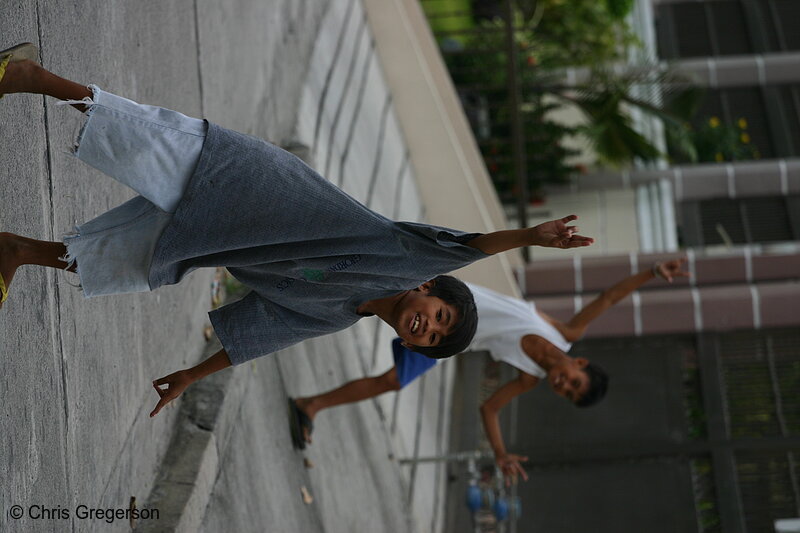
(166, 395)
(569, 218)
(161, 403)
(518, 470)
(579, 240)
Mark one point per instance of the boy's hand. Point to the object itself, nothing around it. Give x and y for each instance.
(556, 234)
(176, 383)
(509, 464)
(671, 269)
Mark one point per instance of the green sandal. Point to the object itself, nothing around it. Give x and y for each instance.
(19, 52)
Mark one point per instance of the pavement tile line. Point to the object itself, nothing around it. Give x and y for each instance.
(329, 75)
(356, 112)
(376, 337)
(417, 434)
(362, 31)
(399, 183)
(52, 277)
(440, 448)
(387, 107)
(199, 58)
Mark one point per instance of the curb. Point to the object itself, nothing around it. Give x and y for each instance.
(189, 468)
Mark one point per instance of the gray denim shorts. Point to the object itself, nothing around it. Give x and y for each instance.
(152, 150)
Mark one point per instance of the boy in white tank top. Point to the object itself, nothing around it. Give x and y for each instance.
(512, 331)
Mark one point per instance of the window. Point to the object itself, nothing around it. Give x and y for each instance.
(740, 220)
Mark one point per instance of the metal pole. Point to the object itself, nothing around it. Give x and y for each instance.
(456, 456)
(518, 142)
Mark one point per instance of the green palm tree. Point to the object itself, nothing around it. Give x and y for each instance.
(605, 97)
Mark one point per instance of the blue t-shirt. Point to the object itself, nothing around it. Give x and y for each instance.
(310, 253)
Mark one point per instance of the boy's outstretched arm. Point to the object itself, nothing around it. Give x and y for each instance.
(576, 327)
(553, 234)
(509, 463)
(178, 381)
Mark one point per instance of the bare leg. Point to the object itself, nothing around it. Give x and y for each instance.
(352, 391)
(28, 77)
(16, 251)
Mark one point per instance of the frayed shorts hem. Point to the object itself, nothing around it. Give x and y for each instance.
(152, 150)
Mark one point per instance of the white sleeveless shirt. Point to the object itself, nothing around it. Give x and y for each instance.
(503, 321)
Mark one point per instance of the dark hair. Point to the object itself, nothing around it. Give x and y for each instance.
(454, 292)
(598, 386)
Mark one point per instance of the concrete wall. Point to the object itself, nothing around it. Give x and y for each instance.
(608, 216)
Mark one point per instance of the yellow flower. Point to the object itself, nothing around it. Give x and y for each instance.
(742, 124)
(718, 157)
(745, 138)
(713, 122)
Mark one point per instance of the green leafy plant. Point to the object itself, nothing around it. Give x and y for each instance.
(715, 141)
(605, 99)
(548, 35)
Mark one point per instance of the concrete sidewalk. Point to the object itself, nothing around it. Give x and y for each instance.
(76, 374)
(76, 386)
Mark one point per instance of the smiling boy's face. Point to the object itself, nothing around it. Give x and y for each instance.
(568, 379)
(422, 320)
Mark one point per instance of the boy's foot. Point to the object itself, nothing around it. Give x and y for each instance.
(300, 425)
(19, 77)
(8, 266)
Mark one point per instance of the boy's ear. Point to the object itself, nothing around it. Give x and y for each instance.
(582, 362)
(426, 287)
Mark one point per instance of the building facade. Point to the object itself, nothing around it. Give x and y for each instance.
(701, 427)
